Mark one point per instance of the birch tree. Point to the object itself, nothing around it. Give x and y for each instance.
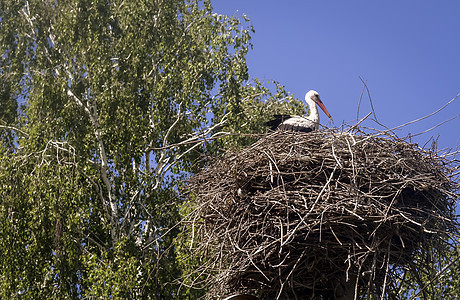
(106, 107)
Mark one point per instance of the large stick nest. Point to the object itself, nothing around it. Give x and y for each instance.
(299, 215)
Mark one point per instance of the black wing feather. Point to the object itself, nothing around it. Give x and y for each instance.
(278, 119)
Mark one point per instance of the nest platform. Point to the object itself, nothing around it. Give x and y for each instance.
(320, 215)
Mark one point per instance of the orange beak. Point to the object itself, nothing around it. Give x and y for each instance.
(320, 104)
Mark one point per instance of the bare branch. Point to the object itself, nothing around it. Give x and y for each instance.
(14, 129)
(166, 161)
(427, 116)
(370, 99)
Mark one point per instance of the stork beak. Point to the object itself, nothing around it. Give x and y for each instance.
(320, 104)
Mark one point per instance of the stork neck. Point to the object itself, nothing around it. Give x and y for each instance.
(314, 115)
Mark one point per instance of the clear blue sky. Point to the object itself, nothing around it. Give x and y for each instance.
(407, 51)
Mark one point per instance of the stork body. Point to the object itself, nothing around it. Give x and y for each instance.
(301, 123)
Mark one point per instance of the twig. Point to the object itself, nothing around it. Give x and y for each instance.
(427, 116)
(370, 99)
(14, 129)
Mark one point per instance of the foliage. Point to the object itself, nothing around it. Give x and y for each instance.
(106, 106)
(440, 279)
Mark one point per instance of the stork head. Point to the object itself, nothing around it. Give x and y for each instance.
(314, 96)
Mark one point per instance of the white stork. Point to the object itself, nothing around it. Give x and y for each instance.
(301, 123)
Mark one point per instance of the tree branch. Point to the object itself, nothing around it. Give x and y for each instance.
(14, 129)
